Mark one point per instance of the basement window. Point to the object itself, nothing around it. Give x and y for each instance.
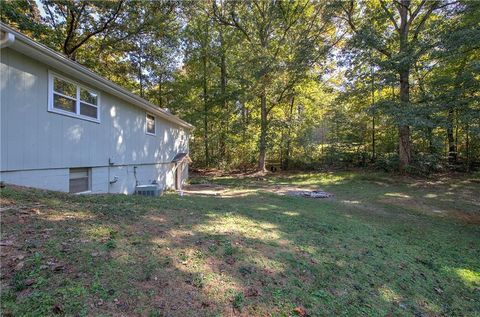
(80, 180)
(72, 99)
(150, 120)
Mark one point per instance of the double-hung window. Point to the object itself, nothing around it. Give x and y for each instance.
(150, 126)
(69, 98)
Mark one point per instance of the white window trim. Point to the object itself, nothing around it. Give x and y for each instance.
(154, 122)
(51, 108)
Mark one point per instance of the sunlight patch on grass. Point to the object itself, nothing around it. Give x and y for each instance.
(320, 178)
(65, 216)
(291, 213)
(350, 202)
(155, 218)
(160, 242)
(469, 277)
(99, 232)
(389, 295)
(399, 195)
(242, 226)
(264, 263)
(430, 195)
(178, 233)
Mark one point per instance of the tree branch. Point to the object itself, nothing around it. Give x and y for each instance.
(423, 20)
(105, 25)
(390, 15)
(416, 12)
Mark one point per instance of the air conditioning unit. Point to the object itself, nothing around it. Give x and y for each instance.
(148, 190)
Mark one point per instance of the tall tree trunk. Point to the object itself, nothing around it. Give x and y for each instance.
(160, 83)
(404, 72)
(452, 145)
(140, 75)
(403, 129)
(205, 108)
(373, 117)
(289, 135)
(263, 131)
(223, 92)
(467, 146)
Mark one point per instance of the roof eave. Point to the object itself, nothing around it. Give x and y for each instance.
(48, 56)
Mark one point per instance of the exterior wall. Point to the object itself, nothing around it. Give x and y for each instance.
(38, 147)
(55, 179)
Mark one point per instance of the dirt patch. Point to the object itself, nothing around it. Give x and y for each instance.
(225, 191)
(310, 194)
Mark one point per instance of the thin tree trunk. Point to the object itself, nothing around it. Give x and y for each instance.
(160, 103)
(467, 146)
(373, 118)
(452, 146)
(140, 75)
(403, 129)
(205, 108)
(263, 132)
(289, 135)
(223, 91)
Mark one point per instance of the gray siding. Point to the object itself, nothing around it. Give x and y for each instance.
(33, 139)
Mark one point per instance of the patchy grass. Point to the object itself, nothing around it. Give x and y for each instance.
(383, 246)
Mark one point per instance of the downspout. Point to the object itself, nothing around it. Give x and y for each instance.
(6, 39)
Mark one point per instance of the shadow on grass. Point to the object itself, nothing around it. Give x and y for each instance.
(253, 255)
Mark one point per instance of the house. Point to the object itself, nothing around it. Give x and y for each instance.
(68, 129)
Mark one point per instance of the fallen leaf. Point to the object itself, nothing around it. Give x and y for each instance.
(438, 290)
(19, 266)
(20, 257)
(58, 267)
(300, 311)
(251, 292)
(6, 243)
(29, 282)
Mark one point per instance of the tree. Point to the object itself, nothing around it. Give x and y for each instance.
(77, 21)
(284, 40)
(399, 35)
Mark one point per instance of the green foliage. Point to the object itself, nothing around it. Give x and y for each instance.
(238, 300)
(329, 75)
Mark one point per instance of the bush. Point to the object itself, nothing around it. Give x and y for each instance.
(426, 164)
(421, 164)
(388, 162)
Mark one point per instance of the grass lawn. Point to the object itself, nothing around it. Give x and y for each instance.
(383, 246)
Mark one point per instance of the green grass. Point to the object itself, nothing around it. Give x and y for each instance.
(384, 245)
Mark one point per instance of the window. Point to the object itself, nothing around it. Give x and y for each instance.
(69, 98)
(79, 180)
(150, 124)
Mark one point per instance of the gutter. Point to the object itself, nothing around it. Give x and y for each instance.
(6, 39)
(38, 51)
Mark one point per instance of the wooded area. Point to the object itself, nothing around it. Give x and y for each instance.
(392, 85)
